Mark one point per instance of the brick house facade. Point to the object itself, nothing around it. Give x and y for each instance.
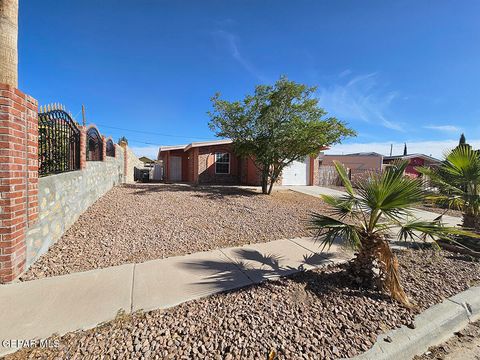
(214, 162)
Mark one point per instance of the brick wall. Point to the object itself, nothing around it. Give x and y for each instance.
(18, 177)
(206, 166)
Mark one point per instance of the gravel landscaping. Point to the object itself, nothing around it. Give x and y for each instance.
(318, 314)
(143, 222)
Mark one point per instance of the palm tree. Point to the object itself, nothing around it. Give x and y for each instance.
(457, 183)
(367, 218)
(8, 42)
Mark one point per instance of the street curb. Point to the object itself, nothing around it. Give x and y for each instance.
(432, 327)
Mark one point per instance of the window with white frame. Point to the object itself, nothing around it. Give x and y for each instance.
(222, 163)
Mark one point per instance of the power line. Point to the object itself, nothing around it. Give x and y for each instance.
(153, 133)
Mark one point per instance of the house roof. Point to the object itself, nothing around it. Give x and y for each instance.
(372, 153)
(207, 143)
(172, 147)
(193, 145)
(410, 156)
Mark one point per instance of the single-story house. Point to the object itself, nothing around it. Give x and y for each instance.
(214, 162)
(414, 161)
(366, 162)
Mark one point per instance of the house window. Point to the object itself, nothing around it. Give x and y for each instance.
(222, 163)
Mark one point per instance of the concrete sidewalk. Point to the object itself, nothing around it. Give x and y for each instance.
(419, 214)
(37, 309)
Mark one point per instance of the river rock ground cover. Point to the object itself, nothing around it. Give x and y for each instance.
(136, 223)
(317, 314)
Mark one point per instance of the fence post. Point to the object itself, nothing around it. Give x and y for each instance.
(18, 177)
(124, 145)
(83, 147)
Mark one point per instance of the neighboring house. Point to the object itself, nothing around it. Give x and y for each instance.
(147, 162)
(414, 161)
(359, 162)
(214, 162)
(366, 162)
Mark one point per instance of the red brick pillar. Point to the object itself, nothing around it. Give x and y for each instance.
(104, 148)
(18, 177)
(83, 147)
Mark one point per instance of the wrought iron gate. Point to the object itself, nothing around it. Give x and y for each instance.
(58, 142)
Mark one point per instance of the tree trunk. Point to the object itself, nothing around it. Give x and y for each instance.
(8, 42)
(362, 267)
(472, 222)
(264, 182)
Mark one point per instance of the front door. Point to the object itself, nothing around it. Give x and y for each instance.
(175, 168)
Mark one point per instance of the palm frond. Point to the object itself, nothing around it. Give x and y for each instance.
(391, 193)
(434, 230)
(328, 229)
(342, 206)
(342, 172)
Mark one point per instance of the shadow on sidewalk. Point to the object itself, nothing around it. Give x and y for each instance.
(257, 267)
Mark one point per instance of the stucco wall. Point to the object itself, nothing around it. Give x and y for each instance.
(355, 162)
(132, 162)
(64, 197)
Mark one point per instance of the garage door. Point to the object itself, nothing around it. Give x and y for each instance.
(297, 173)
(175, 168)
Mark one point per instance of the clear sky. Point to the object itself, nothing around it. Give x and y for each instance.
(396, 71)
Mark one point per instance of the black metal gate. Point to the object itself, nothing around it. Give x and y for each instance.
(110, 148)
(58, 142)
(94, 145)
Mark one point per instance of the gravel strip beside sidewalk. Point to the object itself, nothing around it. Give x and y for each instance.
(133, 224)
(311, 315)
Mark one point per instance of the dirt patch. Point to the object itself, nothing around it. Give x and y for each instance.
(318, 314)
(463, 345)
(144, 222)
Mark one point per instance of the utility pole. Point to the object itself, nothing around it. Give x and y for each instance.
(8, 42)
(84, 120)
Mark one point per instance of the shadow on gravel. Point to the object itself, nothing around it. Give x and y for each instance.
(214, 192)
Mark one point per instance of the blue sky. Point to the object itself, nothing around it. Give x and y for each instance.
(396, 71)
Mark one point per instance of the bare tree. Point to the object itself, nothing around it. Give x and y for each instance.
(8, 42)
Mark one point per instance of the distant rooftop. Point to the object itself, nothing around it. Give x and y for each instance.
(409, 156)
(371, 153)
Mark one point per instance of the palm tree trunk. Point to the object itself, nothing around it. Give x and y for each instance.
(8, 42)
(362, 267)
(471, 221)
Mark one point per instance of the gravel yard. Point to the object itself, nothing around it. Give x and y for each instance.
(143, 222)
(312, 315)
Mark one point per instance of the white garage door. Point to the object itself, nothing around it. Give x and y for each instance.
(175, 168)
(297, 173)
